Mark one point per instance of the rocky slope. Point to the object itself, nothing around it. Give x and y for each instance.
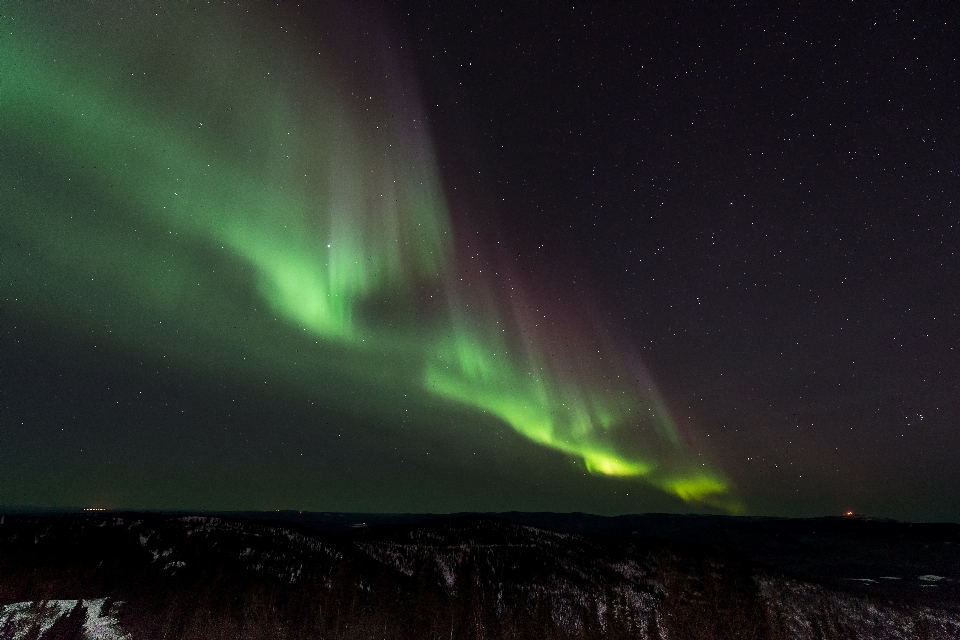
(151, 576)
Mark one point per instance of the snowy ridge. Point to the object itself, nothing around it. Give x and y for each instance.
(804, 611)
(204, 577)
(570, 581)
(34, 619)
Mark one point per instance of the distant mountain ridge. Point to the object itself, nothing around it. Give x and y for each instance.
(468, 576)
(884, 556)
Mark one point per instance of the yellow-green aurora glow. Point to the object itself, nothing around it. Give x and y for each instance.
(212, 168)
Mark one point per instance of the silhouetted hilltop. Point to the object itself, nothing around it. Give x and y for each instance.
(319, 576)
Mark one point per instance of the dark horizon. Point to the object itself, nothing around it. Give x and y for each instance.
(289, 515)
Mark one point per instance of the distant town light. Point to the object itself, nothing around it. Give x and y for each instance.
(849, 513)
(94, 509)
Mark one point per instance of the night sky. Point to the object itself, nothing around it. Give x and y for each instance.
(425, 257)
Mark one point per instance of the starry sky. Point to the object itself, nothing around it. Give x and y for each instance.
(428, 257)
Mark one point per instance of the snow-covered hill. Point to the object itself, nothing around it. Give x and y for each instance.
(151, 576)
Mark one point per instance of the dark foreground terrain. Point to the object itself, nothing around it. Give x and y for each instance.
(543, 576)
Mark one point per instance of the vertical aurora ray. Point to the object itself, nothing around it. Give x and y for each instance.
(252, 149)
(321, 232)
(551, 375)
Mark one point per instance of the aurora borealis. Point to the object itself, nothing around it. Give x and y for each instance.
(261, 204)
(329, 205)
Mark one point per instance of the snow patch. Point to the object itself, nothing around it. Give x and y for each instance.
(26, 618)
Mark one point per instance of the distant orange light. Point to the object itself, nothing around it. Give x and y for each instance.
(848, 513)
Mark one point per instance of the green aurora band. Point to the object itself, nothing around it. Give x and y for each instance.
(210, 169)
